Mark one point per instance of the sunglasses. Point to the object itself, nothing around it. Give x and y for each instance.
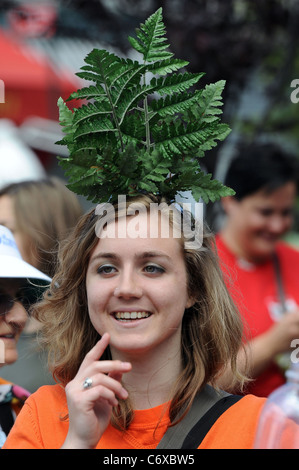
(7, 301)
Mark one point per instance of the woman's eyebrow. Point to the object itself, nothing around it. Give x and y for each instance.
(153, 254)
(104, 255)
(142, 255)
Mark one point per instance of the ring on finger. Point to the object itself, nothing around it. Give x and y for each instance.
(87, 383)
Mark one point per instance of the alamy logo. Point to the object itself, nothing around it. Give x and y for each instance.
(295, 94)
(2, 92)
(182, 223)
(295, 353)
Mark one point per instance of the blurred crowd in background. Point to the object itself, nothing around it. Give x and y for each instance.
(253, 45)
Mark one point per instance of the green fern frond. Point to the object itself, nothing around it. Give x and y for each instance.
(125, 140)
(209, 189)
(211, 101)
(179, 139)
(176, 83)
(167, 66)
(172, 104)
(151, 41)
(89, 92)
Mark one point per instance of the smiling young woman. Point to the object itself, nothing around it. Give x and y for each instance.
(137, 328)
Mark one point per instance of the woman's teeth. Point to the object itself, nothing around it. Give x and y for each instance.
(131, 315)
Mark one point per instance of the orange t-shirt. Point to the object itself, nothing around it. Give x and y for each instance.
(40, 425)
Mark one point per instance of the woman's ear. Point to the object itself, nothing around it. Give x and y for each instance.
(190, 302)
(229, 203)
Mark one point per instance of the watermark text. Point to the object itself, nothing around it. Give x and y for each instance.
(295, 353)
(164, 220)
(295, 93)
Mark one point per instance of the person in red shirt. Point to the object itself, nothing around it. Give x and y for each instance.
(261, 270)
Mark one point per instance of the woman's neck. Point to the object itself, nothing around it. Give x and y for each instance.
(235, 246)
(152, 378)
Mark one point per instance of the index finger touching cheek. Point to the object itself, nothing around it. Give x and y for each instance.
(97, 351)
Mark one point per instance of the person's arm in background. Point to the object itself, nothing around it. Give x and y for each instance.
(261, 350)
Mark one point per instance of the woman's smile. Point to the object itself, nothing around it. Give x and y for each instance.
(137, 290)
(130, 316)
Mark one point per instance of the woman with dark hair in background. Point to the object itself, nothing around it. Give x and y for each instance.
(261, 270)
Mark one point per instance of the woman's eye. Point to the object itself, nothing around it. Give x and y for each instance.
(152, 269)
(266, 212)
(106, 269)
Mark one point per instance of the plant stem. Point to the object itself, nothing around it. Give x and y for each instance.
(146, 121)
(114, 116)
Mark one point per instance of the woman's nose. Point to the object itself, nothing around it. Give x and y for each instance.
(16, 316)
(128, 286)
(279, 224)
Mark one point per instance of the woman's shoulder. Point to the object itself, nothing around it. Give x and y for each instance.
(236, 427)
(48, 394)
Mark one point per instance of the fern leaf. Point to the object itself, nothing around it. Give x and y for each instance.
(90, 92)
(66, 117)
(212, 99)
(176, 83)
(94, 141)
(128, 78)
(151, 41)
(92, 110)
(87, 127)
(126, 141)
(167, 66)
(211, 136)
(178, 139)
(132, 128)
(173, 104)
(104, 65)
(209, 189)
(133, 96)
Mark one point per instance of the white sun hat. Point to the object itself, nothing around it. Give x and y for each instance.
(12, 265)
(17, 161)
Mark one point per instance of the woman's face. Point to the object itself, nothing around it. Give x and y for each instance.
(8, 219)
(12, 322)
(258, 221)
(137, 291)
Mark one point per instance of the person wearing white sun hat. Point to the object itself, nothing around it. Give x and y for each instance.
(20, 286)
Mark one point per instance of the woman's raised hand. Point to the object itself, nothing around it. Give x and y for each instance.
(90, 407)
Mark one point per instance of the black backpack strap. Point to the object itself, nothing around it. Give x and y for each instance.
(6, 417)
(202, 427)
(204, 400)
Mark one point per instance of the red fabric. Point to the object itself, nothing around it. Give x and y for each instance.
(254, 290)
(29, 83)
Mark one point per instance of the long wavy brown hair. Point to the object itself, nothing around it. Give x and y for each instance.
(45, 212)
(211, 329)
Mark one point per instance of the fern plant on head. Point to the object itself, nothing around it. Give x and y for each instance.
(125, 140)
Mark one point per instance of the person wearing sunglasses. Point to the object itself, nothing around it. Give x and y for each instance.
(21, 285)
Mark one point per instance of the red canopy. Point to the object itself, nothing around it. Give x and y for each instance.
(31, 85)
